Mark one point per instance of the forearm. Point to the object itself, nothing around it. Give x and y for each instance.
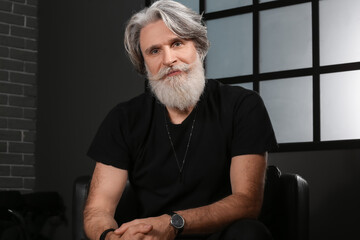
(105, 191)
(216, 216)
(96, 222)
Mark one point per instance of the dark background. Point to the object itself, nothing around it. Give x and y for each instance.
(83, 72)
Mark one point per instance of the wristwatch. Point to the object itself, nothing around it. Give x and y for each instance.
(177, 221)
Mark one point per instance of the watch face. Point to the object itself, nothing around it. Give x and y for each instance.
(177, 221)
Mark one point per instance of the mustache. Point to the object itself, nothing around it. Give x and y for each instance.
(163, 72)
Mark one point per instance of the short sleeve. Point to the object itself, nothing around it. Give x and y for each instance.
(109, 145)
(253, 132)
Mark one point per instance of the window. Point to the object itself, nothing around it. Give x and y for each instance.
(303, 58)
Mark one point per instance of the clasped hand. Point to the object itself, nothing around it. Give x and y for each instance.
(154, 228)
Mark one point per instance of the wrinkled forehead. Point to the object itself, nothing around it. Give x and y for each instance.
(156, 34)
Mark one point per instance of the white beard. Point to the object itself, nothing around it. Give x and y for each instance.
(179, 91)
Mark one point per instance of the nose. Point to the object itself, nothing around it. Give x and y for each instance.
(169, 58)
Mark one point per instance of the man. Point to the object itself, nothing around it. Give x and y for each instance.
(194, 149)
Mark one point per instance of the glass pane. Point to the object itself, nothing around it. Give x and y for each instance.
(216, 5)
(230, 52)
(289, 102)
(285, 38)
(193, 4)
(249, 86)
(340, 105)
(339, 31)
(264, 1)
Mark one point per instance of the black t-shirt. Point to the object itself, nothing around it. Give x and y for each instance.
(229, 121)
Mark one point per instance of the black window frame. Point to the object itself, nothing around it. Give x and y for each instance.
(315, 71)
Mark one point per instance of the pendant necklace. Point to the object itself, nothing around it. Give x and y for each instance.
(181, 167)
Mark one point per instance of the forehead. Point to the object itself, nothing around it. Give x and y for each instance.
(155, 33)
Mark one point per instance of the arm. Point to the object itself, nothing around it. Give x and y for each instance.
(107, 185)
(247, 173)
(106, 188)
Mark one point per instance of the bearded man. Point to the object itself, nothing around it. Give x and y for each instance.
(193, 149)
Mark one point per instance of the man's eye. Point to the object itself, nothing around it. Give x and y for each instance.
(154, 51)
(177, 44)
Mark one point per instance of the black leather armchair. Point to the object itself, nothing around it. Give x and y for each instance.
(285, 209)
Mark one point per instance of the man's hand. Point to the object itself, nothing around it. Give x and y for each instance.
(136, 231)
(158, 229)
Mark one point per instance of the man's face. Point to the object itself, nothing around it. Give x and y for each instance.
(161, 48)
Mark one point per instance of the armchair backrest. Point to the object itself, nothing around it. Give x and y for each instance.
(80, 192)
(285, 208)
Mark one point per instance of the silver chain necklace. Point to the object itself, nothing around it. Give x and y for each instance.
(172, 145)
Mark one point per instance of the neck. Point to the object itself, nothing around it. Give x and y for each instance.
(177, 116)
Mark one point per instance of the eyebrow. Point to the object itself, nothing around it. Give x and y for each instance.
(172, 40)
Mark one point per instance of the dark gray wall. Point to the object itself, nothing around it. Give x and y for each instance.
(83, 73)
(18, 91)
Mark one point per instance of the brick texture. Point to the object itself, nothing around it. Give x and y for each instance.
(29, 136)
(18, 93)
(10, 41)
(3, 99)
(4, 52)
(11, 158)
(23, 55)
(29, 183)
(11, 112)
(5, 6)
(30, 113)
(4, 76)
(31, 44)
(3, 147)
(22, 124)
(23, 78)
(10, 135)
(16, 147)
(30, 67)
(22, 101)
(11, 88)
(22, 171)
(24, 32)
(12, 18)
(4, 28)
(4, 170)
(31, 22)
(11, 182)
(25, 9)
(3, 123)
(29, 159)
(12, 65)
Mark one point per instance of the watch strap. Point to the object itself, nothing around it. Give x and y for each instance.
(103, 235)
(171, 213)
(179, 231)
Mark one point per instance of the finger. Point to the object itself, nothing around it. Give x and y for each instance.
(141, 228)
(128, 236)
(145, 228)
(137, 232)
(112, 236)
(124, 227)
(135, 228)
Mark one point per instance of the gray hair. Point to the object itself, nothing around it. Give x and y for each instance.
(182, 21)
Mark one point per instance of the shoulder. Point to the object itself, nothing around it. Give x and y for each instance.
(135, 105)
(131, 111)
(231, 95)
